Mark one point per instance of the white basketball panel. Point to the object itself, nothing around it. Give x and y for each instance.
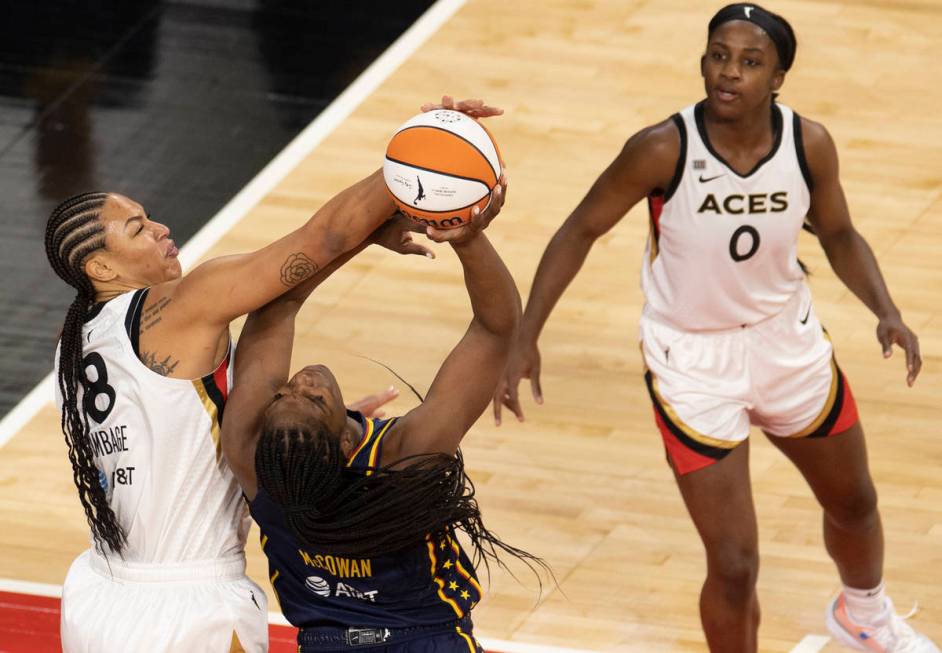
(431, 191)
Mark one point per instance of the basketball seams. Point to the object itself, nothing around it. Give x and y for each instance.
(439, 172)
(459, 136)
(433, 163)
(460, 208)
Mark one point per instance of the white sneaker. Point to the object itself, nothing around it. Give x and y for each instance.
(887, 634)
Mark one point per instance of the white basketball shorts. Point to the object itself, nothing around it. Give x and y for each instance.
(206, 606)
(708, 387)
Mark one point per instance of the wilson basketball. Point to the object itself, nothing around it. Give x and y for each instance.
(439, 165)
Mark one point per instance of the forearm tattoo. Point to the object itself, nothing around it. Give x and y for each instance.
(296, 269)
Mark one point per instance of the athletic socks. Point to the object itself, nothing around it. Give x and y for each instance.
(866, 606)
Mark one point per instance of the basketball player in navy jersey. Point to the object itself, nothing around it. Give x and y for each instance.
(358, 515)
(729, 333)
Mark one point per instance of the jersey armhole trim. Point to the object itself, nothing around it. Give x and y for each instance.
(132, 321)
(681, 158)
(800, 151)
(364, 440)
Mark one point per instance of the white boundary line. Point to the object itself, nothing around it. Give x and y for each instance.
(811, 644)
(24, 411)
(279, 167)
(496, 645)
(27, 587)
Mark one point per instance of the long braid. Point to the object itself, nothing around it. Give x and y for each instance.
(72, 233)
(397, 506)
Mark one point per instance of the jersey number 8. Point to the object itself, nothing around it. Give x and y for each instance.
(96, 388)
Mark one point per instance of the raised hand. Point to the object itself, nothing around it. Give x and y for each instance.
(479, 219)
(474, 108)
(396, 235)
(370, 404)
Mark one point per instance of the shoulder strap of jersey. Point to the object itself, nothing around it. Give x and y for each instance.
(368, 453)
(132, 319)
(678, 121)
(800, 150)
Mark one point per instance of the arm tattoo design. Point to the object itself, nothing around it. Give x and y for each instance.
(152, 314)
(296, 269)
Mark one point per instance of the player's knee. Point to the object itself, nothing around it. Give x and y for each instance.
(735, 569)
(854, 509)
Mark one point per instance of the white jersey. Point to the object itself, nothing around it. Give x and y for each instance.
(157, 447)
(722, 251)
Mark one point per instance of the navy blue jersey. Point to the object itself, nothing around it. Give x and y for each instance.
(431, 583)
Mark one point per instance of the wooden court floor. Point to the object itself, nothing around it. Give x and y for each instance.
(583, 482)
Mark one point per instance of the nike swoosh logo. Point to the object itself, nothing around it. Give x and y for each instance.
(807, 315)
(704, 180)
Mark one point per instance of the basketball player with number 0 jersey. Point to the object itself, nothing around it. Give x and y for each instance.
(729, 334)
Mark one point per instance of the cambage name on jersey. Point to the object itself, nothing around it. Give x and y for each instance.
(753, 203)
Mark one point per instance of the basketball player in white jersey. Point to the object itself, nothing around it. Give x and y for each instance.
(729, 334)
(144, 369)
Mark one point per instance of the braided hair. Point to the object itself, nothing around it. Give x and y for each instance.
(73, 232)
(393, 507)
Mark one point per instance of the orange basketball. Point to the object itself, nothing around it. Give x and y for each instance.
(440, 165)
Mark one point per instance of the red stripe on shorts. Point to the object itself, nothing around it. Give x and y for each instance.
(848, 415)
(681, 457)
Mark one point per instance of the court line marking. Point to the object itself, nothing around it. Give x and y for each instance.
(29, 587)
(272, 174)
(811, 644)
(494, 645)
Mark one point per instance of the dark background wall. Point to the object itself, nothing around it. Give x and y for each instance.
(176, 103)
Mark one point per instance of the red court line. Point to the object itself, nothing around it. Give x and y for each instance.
(28, 624)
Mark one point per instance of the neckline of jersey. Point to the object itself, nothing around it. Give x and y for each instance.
(777, 128)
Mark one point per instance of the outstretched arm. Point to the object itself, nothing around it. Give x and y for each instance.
(264, 356)
(646, 162)
(244, 282)
(185, 322)
(465, 382)
(848, 253)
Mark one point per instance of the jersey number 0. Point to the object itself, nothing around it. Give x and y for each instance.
(734, 246)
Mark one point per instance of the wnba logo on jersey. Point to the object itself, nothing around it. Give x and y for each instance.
(752, 203)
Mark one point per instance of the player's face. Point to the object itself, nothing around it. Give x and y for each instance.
(310, 395)
(138, 251)
(740, 69)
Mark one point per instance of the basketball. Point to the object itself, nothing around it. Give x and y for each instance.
(439, 166)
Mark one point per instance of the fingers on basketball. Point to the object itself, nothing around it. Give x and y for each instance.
(440, 166)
